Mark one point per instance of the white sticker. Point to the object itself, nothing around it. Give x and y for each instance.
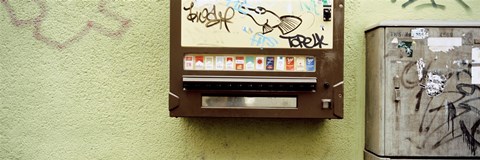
(475, 55)
(395, 40)
(420, 67)
(435, 84)
(475, 75)
(444, 44)
(419, 33)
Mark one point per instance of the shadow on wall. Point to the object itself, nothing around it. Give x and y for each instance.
(37, 22)
(432, 4)
(227, 138)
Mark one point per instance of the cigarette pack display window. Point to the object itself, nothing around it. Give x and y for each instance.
(265, 58)
(423, 90)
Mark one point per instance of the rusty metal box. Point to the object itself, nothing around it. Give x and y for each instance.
(423, 90)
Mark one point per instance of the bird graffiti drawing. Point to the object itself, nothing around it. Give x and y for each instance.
(269, 20)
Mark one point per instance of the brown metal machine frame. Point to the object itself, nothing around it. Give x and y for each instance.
(329, 74)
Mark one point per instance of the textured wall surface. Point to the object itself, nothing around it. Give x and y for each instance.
(89, 80)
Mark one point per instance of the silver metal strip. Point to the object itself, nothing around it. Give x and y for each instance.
(215, 76)
(174, 95)
(249, 79)
(338, 84)
(225, 102)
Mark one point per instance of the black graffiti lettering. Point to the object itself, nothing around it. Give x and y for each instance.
(459, 103)
(466, 71)
(419, 99)
(470, 87)
(191, 16)
(409, 84)
(469, 135)
(464, 90)
(443, 141)
(267, 19)
(437, 129)
(221, 18)
(204, 15)
(423, 118)
(464, 104)
(433, 4)
(210, 17)
(301, 41)
(452, 113)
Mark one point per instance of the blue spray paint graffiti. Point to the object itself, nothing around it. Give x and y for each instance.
(261, 40)
(237, 5)
(310, 7)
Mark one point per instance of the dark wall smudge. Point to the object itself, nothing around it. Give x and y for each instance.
(432, 4)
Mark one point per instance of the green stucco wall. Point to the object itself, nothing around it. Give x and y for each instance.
(89, 80)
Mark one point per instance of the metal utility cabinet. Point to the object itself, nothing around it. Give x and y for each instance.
(423, 90)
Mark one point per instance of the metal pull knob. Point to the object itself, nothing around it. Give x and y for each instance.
(396, 84)
(397, 95)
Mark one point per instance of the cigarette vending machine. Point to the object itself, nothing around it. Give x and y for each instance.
(423, 90)
(256, 58)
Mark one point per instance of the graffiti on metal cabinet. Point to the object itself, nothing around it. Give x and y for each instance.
(431, 4)
(90, 25)
(442, 90)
